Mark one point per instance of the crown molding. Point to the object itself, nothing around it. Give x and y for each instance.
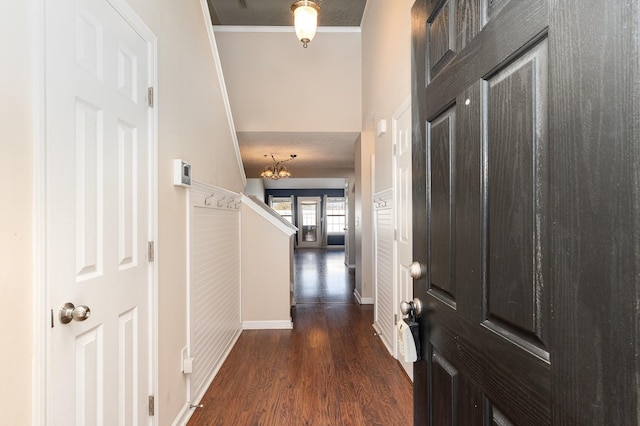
(278, 29)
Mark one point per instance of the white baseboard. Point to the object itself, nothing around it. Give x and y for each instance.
(376, 328)
(183, 416)
(186, 412)
(362, 300)
(268, 325)
(386, 340)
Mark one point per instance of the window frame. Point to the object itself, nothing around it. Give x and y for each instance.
(277, 200)
(342, 223)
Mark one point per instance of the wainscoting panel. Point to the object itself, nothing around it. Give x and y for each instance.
(214, 282)
(383, 244)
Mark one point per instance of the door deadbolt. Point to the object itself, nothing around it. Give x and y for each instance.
(416, 270)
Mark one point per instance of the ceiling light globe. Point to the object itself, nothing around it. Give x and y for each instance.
(284, 173)
(305, 15)
(277, 170)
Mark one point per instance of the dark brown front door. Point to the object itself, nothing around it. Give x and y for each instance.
(527, 211)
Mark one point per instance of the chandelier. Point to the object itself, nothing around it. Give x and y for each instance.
(277, 170)
(305, 18)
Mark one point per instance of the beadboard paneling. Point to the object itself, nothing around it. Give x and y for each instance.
(383, 243)
(214, 289)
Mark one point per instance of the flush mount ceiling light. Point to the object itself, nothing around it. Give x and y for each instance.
(305, 18)
(277, 170)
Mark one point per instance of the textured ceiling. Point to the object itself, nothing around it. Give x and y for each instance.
(333, 13)
(313, 150)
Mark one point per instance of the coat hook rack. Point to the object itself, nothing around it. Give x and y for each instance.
(222, 199)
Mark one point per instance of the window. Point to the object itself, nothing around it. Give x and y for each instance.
(336, 215)
(283, 206)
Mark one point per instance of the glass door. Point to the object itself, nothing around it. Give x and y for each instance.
(309, 223)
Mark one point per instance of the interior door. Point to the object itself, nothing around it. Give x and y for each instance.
(309, 222)
(98, 210)
(403, 209)
(525, 200)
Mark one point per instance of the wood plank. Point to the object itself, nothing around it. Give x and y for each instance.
(497, 43)
(468, 22)
(595, 169)
(419, 14)
(440, 146)
(517, 182)
(503, 371)
(468, 195)
(331, 369)
(441, 37)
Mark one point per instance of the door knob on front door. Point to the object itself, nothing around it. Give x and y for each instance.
(417, 270)
(412, 307)
(69, 312)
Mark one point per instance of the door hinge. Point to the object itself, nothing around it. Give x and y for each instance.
(150, 97)
(152, 404)
(395, 234)
(151, 251)
(395, 149)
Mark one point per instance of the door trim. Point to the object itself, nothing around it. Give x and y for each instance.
(40, 300)
(405, 107)
(42, 316)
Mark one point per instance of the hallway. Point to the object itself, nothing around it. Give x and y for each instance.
(329, 370)
(320, 276)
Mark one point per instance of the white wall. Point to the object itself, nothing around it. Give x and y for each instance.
(386, 78)
(192, 125)
(255, 186)
(266, 274)
(276, 85)
(16, 227)
(364, 220)
(386, 84)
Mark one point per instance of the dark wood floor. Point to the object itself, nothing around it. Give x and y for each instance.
(320, 276)
(329, 370)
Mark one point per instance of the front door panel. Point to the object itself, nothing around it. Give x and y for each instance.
(485, 157)
(526, 207)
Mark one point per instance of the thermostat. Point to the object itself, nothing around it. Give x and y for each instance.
(181, 173)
